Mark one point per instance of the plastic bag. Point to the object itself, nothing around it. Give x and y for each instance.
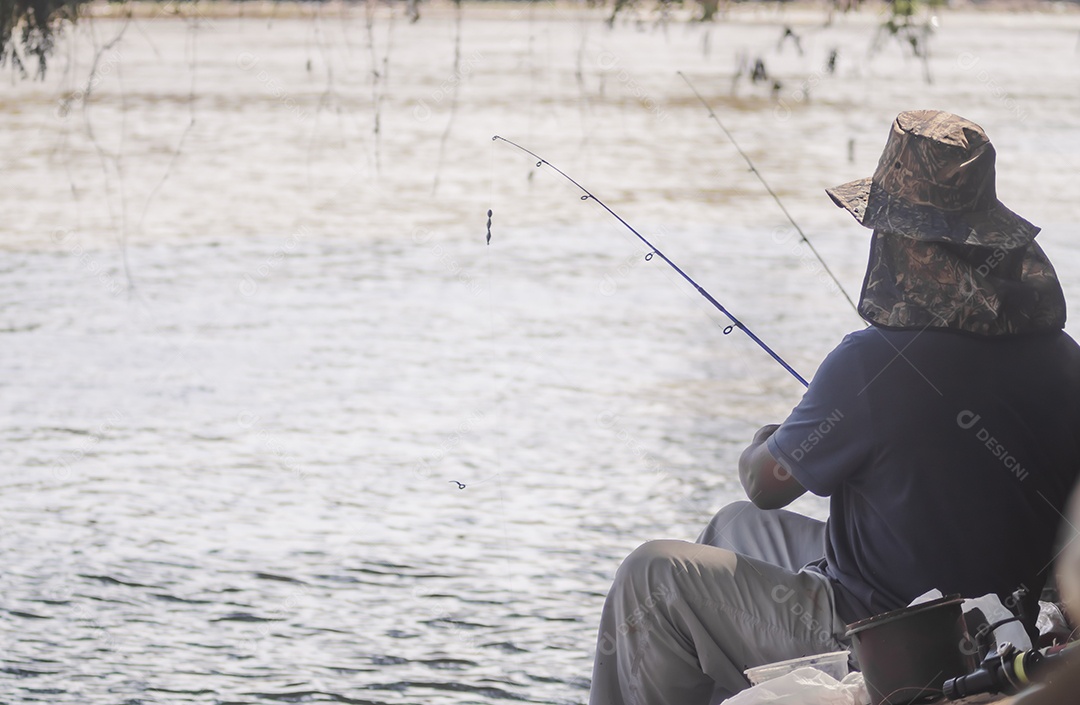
(805, 686)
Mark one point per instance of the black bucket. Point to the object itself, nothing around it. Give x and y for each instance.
(907, 655)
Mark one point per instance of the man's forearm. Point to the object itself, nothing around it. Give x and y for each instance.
(768, 484)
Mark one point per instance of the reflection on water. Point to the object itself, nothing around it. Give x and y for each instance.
(279, 426)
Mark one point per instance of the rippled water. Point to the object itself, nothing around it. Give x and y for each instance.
(232, 464)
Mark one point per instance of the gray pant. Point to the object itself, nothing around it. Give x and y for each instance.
(683, 620)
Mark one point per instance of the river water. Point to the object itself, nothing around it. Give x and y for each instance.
(279, 426)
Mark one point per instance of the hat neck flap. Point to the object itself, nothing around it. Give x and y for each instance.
(912, 284)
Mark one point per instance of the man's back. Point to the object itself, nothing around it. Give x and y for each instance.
(948, 458)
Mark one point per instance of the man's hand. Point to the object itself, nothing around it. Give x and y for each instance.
(767, 483)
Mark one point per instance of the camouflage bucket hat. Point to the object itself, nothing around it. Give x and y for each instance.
(935, 183)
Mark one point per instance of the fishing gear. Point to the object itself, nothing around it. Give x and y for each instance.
(735, 322)
(1007, 670)
(772, 193)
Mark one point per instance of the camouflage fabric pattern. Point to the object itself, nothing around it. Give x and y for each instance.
(935, 182)
(945, 252)
(985, 291)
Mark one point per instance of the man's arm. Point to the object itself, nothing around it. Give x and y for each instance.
(767, 483)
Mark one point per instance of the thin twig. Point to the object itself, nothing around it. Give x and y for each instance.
(193, 61)
(453, 95)
(376, 94)
(103, 156)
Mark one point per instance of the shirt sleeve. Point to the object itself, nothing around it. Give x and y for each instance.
(828, 436)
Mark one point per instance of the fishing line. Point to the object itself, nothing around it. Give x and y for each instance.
(772, 193)
(735, 322)
(498, 439)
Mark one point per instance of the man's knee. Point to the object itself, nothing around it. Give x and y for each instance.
(651, 558)
(651, 567)
(663, 567)
(735, 509)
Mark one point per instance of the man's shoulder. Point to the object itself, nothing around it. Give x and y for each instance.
(873, 349)
(873, 337)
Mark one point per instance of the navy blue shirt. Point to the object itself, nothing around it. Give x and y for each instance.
(947, 457)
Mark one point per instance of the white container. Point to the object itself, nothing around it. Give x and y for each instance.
(835, 664)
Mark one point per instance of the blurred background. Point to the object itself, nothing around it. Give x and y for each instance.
(280, 425)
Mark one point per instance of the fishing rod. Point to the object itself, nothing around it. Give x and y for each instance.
(735, 322)
(772, 193)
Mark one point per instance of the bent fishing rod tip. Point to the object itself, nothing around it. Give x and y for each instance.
(653, 250)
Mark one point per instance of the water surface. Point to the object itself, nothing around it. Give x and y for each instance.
(253, 349)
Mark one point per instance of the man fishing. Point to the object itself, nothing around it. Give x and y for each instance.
(945, 435)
